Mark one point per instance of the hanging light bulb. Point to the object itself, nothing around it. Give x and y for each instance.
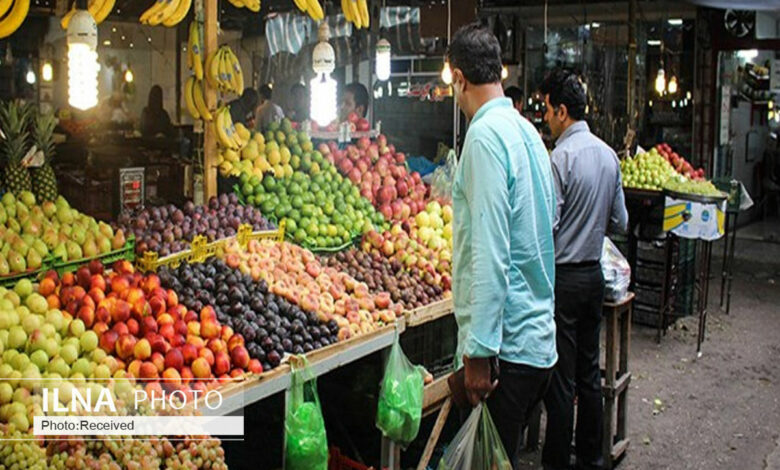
(30, 77)
(446, 73)
(47, 72)
(82, 59)
(383, 59)
(672, 87)
(660, 81)
(129, 77)
(323, 87)
(504, 72)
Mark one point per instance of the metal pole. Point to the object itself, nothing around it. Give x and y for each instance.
(630, 81)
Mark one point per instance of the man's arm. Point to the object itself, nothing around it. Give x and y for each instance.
(558, 161)
(618, 219)
(485, 186)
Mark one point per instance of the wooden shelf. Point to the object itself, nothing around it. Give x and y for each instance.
(429, 313)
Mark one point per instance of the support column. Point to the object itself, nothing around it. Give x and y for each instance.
(631, 80)
(210, 44)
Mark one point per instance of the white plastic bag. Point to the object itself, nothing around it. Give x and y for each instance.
(616, 270)
(441, 180)
(476, 446)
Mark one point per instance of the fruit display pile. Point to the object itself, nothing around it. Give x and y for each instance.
(270, 325)
(294, 273)
(679, 163)
(681, 184)
(277, 151)
(381, 174)
(29, 232)
(647, 170)
(380, 275)
(169, 229)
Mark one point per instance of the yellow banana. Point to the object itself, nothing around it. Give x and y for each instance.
(253, 5)
(224, 131)
(212, 70)
(238, 78)
(104, 11)
(93, 7)
(164, 13)
(346, 10)
(315, 10)
(188, 98)
(365, 17)
(179, 14)
(197, 52)
(15, 18)
(219, 129)
(5, 5)
(355, 13)
(200, 101)
(151, 11)
(224, 70)
(236, 3)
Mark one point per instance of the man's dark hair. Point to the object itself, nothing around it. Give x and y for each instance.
(475, 51)
(515, 93)
(360, 94)
(265, 92)
(564, 87)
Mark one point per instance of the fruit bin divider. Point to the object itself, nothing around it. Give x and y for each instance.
(11, 279)
(127, 252)
(200, 249)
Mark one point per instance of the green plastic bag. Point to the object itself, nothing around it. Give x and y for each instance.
(400, 399)
(306, 441)
(477, 445)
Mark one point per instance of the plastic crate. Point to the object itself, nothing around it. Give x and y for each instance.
(11, 280)
(127, 252)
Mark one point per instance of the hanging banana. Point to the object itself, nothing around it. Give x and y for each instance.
(189, 98)
(194, 51)
(99, 9)
(166, 12)
(15, 18)
(200, 101)
(223, 71)
(252, 5)
(365, 17)
(5, 5)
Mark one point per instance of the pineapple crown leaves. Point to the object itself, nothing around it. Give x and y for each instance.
(14, 119)
(43, 130)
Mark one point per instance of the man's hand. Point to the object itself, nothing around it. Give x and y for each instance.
(477, 380)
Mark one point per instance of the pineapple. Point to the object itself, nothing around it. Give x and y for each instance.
(13, 122)
(44, 180)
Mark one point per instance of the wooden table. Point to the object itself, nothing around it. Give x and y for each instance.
(616, 379)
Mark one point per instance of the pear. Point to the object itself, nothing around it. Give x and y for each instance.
(39, 246)
(4, 250)
(16, 262)
(78, 235)
(74, 251)
(105, 229)
(13, 224)
(34, 260)
(49, 209)
(22, 212)
(9, 236)
(66, 230)
(50, 238)
(28, 239)
(3, 215)
(90, 248)
(37, 213)
(103, 243)
(64, 215)
(11, 211)
(20, 247)
(61, 202)
(9, 199)
(28, 198)
(60, 252)
(5, 269)
(119, 240)
(32, 227)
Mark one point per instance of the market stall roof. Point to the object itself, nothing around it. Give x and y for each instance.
(764, 5)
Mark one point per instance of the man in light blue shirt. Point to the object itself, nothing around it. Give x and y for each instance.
(503, 253)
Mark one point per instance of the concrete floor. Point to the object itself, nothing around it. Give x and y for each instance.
(720, 411)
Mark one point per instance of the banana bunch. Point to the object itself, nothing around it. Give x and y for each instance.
(195, 52)
(229, 136)
(223, 71)
(195, 101)
(252, 5)
(15, 18)
(99, 9)
(166, 12)
(356, 12)
(312, 8)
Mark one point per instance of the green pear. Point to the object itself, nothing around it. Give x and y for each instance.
(49, 209)
(3, 215)
(78, 235)
(11, 211)
(5, 269)
(90, 248)
(66, 230)
(39, 246)
(16, 262)
(13, 224)
(9, 236)
(64, 215)
(22, 212)
(50, 238)
(61, 202)
(74, 251)
(103, 243)
(4, 251)
(9, 199)
(28, 239)
(20, 247)
(32, 227)
(34, 260)
(27, 198)
(37, 213)
(60, 252)
(106, 229)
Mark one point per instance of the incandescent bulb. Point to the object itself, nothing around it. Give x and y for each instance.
(446, 74)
